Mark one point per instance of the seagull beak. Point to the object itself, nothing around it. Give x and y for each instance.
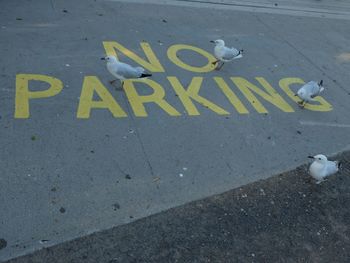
(311, 157)
(212, 41)
(103, 58)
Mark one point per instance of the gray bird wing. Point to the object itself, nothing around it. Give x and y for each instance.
(229, 53)
(331, 168)
(312, 88)
(127, 71)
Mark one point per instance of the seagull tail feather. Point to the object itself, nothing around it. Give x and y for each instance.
(145, 75)
(339, 164)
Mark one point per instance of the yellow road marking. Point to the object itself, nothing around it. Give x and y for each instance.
(92, 84)
(152, 64)
(137, 101)
(186, 96)
(172, 55)
(231, 96)
(271, 95)
(23, 94)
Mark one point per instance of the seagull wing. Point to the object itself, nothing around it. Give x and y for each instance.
(313, 89)
(331, 168)
(229, 53)
(127, 71)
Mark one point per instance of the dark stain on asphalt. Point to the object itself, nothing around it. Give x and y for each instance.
(116, 206)
(62, 210)
(3, 243)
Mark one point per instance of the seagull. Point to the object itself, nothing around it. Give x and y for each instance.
(321, 167)
(309, 91)
(224, 54)
(123, 71)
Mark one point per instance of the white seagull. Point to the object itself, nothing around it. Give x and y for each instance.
(309, 91)
(123, 71)
(321, 167)
(224, 54)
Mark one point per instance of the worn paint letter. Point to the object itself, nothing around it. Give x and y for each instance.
(23, 94)
(172, 55)
(231, 96)
(137, 101)
(152, 64)
(186, 96)
(270, 94)
(86, 103)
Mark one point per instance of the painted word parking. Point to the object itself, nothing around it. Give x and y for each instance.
(257, 92)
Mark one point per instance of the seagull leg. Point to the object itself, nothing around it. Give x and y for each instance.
(121, 85)
(218, 68)
(215, 62)
(112, 82)
(320, 181)
(302, 104)
(115, 86)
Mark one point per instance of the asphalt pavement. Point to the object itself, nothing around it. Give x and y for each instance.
(286, 218)
(79, 155)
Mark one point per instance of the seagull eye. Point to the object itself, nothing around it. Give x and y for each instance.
(319, 159)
